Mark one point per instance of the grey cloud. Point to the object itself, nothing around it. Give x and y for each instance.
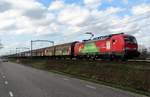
(10, 27)
(35, 13)
(4, 6)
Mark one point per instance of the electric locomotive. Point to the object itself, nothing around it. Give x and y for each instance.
(114, 46)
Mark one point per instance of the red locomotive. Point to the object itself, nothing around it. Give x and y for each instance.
(120, 46)
(114, 46)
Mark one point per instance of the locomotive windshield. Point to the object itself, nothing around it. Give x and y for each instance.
(130, 39)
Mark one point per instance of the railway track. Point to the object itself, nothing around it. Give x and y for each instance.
(98, 60)
(139, 60)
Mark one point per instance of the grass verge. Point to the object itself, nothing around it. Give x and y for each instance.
(132, 76)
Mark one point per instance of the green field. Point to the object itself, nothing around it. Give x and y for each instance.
(133, 76)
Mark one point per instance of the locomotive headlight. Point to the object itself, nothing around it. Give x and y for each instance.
(135, 48)
(127, 48)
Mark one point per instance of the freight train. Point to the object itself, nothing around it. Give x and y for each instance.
(115, 46)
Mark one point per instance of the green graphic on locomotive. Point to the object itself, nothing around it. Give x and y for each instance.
(89, 48)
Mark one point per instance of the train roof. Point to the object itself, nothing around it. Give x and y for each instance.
(63, 44)
(102, 37)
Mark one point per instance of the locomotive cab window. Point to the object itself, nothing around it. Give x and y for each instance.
(113, 41)
(130, 39)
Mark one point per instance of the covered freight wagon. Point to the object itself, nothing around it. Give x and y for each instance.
(49, 51)
(65, 50)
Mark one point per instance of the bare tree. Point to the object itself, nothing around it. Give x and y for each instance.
(1, 45)
(143, 52)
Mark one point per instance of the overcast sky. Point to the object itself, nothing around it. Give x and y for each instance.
(67, 20)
